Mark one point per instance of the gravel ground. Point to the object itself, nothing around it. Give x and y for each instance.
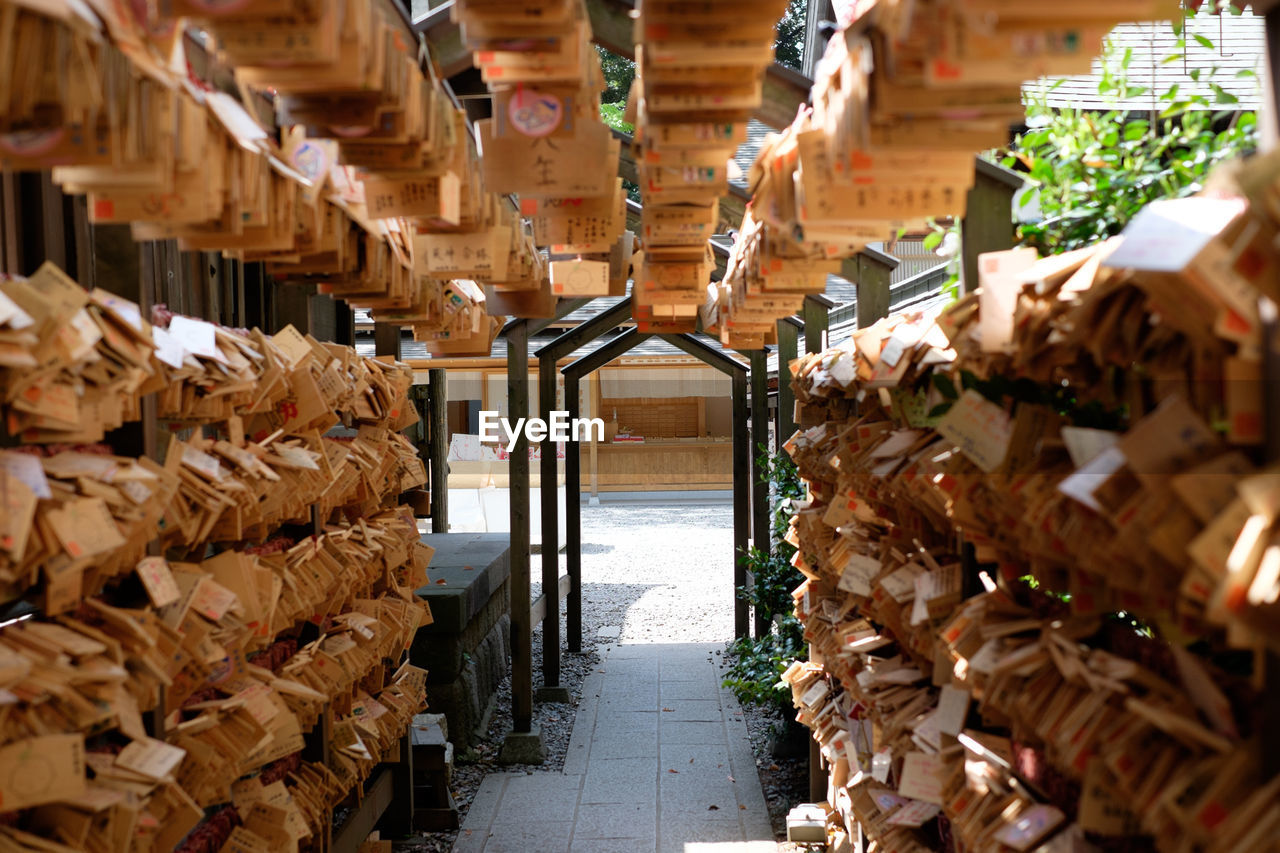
(651, 573)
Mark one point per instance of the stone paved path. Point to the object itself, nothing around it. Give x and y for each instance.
(658, 763)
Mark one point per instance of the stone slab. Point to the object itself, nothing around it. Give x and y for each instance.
(473, 566)
(638, 778)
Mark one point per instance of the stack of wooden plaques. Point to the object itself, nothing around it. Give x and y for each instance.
(766, 279)
(1041, 566)
(903, 97)
(372, 157)
(699, 71)
(189, 627)
(412, 171)
(547, 144)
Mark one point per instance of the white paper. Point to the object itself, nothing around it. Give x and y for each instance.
(13, 315)
(1085, 444)
(198, 337)
(26, 469)
(979, 428)
(881, 762)
(1082, 484)
(168, 348)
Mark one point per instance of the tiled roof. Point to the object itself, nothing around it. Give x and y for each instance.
(1239, 44)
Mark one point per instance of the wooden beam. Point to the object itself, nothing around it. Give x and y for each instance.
(356, 828)
(538, 610)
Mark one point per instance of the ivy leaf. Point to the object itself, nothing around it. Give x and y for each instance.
(945, 386)
(1222, 96)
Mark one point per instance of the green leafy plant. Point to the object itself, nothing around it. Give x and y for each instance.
(1003, 390)
(612, 116)
(1092, 172)
(755, 675)
(944, 240)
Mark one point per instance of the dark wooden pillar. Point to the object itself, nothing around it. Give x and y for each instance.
(988, 222)
(572, 519)
(761, 536)
(438, 435)
(875, 274)
(741, 501)
(521, 629)
(386, 340)
(788, 350)
(291, 305)
(816, 309)
(548, 493)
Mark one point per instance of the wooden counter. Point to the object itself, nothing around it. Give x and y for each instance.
(660, 466)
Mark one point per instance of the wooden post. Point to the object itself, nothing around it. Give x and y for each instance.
(597, 401)
(814, 44)
(521, 629)
(291, 305)
(816, 309)
(875, 274)
(573, 519)
(761, 535)
(549, 493)
(741, 502)
(397, 820)
(10, 225)
(438, 394)
(988, 225)
(1269, 314)
(125, 268)
(386, 340)
(815, 341)
(788, 350)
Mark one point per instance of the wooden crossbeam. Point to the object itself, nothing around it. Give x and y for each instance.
(538, 611)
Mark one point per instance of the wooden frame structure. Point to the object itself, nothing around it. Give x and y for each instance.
(751, 513)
